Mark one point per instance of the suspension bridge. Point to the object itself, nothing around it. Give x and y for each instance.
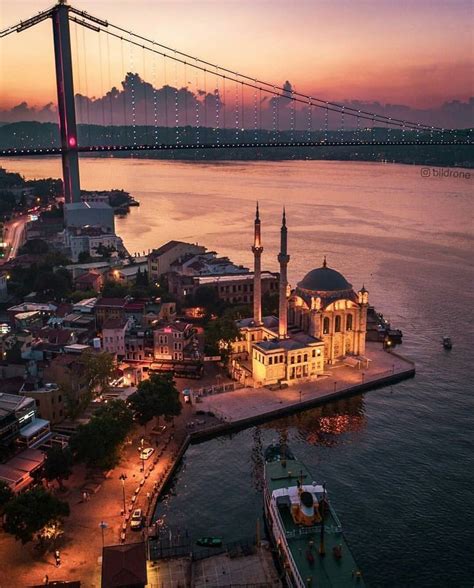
(200, 105)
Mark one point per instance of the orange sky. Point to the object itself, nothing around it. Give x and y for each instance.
(416, 53)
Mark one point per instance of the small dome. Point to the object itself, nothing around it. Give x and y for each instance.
(324, 279)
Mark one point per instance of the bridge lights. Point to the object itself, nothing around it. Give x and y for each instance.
(72, 141)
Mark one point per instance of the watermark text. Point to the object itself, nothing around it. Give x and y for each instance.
(445, 172)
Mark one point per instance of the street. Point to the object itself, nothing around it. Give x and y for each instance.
(14, 234)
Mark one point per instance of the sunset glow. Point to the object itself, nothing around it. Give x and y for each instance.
(387, 51)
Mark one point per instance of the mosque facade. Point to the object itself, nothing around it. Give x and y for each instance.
(321, 322)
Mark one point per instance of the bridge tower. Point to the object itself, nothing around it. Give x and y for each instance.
(66, 108)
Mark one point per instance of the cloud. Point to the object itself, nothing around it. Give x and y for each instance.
(138, 102)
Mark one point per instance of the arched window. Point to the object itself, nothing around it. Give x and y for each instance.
(349, 322)
(337, 324)
(326, 325)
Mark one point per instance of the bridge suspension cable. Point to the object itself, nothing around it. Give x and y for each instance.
(251, 81)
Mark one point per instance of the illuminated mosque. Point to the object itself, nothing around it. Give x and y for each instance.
(322, 322)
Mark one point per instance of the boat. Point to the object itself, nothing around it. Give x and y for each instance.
(447, 343)
(209, 542)
(303, 526)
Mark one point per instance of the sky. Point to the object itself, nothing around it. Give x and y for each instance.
(416, 53)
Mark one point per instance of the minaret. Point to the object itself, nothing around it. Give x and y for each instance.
(283, 259)
(257, 277)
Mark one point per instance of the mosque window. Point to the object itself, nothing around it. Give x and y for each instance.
(313, 353)
(299, 359)
(305, 357)
(349, 322)
(326, 325)
(270, 361)
(292, 359)
(337, 324)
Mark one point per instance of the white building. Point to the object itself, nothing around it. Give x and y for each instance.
(80, 214)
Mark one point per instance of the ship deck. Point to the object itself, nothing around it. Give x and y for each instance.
(324, 571)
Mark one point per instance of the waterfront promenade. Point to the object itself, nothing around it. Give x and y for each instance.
(248, 405)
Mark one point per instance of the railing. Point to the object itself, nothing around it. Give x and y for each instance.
(216, 389)
(332, 529)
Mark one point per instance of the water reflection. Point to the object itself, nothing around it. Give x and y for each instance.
(326, 424)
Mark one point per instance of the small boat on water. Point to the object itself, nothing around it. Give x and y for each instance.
(447, 343)
(209, 542)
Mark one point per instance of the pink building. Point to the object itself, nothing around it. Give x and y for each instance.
(113, 336)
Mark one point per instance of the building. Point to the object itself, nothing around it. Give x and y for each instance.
(81, 214)
(160, 260)
(232, 288)
(323, 321)
(173, 341)
(92, 280)
(91, 240)
(18, 421)
(68, 370)
(49, 400)
(3, 286)
(124, 566)
(113, 335)
(325, 306)
(139, 345)
(18, 471)
(109, 308)
(127, 274)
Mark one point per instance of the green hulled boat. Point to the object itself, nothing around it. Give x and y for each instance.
(304, 527)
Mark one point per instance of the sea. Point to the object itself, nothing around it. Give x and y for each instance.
(398, 461)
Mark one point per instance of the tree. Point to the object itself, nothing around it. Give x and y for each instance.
(208, 298)
(219, 336)
(35, 246)
(84, 257)
(97, 443)
(155, 397)
(113, 290)
(6, 494)
(57, 465)
(98, 370)
(28, 515)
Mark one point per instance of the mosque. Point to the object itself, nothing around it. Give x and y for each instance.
(322, 322)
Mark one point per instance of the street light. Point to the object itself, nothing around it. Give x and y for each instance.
(103, 526)
(140, 449)
(122, 478)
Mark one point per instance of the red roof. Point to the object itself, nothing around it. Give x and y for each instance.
(88, 278)
(111, 303)
(124, 565)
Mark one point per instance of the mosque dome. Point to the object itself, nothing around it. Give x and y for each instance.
(324, 279)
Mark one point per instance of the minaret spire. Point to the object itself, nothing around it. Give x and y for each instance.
(257, 273)
(283, 259)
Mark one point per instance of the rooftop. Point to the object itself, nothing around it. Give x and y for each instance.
(293, 343)
(270, 322)
(87, 205)
(324, 279)
(167, 247)
(242, 277)
(119, 323)
(12, 402)
(124, 565)
(111, 303)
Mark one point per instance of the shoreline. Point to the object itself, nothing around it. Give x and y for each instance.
(231, 426)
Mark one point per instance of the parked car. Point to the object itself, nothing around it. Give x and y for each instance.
(146, 453)
(137, 520)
